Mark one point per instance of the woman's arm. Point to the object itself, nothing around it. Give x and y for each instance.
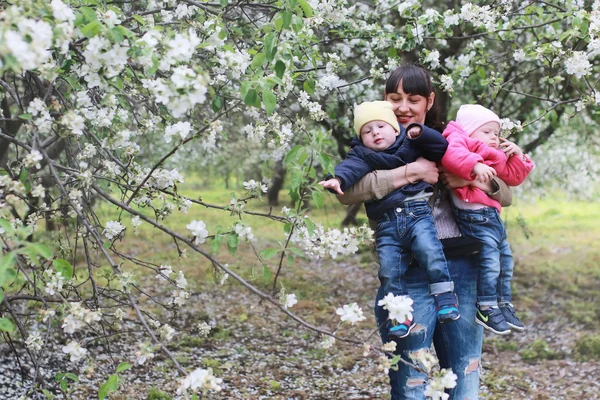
(378, 184)
(496, 188)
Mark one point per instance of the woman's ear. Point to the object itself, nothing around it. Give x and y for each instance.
(430, 100)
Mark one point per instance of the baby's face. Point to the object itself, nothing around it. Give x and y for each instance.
(378, 135)
(488, 133)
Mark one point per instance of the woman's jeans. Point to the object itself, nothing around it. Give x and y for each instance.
(402, 232)
(457, 343)
(495, 257)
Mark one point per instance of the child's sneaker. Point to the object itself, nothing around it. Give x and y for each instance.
(508, 312)
(401, 330)
(446, 305)
(493, 320)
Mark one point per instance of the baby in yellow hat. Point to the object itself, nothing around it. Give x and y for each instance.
(405, 226)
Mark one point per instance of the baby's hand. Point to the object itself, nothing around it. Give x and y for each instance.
(414, 132)
(483, 173)
(510, 148)
(332, 183)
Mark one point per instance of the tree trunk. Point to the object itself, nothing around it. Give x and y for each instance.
(276, 184)
(351, 212)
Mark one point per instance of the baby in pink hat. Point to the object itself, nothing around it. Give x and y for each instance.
(476, 151)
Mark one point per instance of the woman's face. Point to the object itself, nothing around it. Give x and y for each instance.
(409, 108)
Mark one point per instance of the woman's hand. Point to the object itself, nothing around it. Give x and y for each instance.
(422, 170)
(452, 181)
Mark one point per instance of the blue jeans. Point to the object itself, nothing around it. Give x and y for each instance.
(495, 257)
(457, 344)
(402, 232)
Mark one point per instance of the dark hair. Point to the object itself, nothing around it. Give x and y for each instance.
(415, 80)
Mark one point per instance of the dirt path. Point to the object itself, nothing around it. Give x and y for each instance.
(260, 355)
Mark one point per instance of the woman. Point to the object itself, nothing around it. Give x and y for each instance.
(458, 343)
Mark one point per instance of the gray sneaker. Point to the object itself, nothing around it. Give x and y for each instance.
(508, 311)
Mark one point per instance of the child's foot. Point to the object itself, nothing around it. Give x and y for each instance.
(446, 305)
(401, 330)
(508, 311)
(493, 320)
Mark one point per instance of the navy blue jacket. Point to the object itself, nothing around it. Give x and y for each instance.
(362, 160)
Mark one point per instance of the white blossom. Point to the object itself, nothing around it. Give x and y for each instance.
(351, 313)
(399, 307)
(289, 300)
(578, 64)
(198, 229)
(113, 229)
(33, 159)
(327, 342)
(200, 379)
(75, 351)
(34, 341)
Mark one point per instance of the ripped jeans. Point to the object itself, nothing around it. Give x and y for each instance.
(457, 343)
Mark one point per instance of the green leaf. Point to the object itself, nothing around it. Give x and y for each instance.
(309, 86)
(48, 394)
(4, 224)
(41, 250)
(123, 367)
(26, 116)
(270, 49)
(1, 295)
(72, 376)
(106, 245)
(318, 198)
(267, 254)
(88, 13)
(216, 104)
(251, 97)
(246, 86)
(266, 273)
(295, 250)
(269, 100)
(140, 20)
(64, 267)
(24, 178)
(224, 3)
(290, 260)
(287, 228)
(287, 19)
(7, 275)
(279, 69)
(117, 82)
(6, 325)
(92, 29)
(7, 261)
(233, 241)
(215, 243)
(392, 53)
(111, 385)
(258, 60)
(116, 35)
(306, 8)
(293, 154)
(310, 226)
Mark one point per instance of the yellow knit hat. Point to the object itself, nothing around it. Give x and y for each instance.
(374, 111)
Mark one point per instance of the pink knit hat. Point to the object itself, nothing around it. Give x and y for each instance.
(472, 116)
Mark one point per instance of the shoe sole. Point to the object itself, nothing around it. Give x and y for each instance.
(410, 328)
(443, 321)
(515, 327)
(506, 332)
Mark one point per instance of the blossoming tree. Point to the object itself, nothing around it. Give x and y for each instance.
(107, 101)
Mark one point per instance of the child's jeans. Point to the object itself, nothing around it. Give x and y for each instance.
(495, 257)
(402, 232)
